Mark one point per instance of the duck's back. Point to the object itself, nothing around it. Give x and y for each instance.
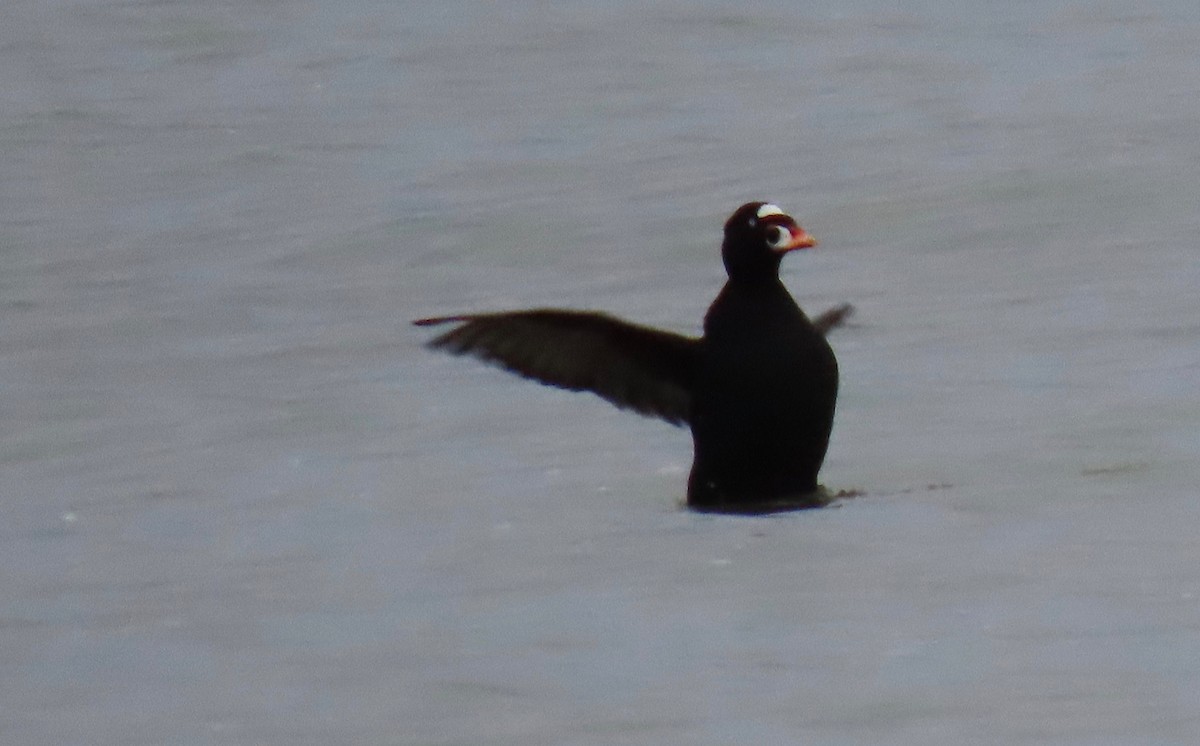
(763, 401)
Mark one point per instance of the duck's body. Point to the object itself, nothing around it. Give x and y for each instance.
(762, 403)
(758, 389)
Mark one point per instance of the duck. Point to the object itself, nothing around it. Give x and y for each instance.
(758, 389)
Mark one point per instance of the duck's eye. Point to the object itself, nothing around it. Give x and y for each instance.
(777, 236)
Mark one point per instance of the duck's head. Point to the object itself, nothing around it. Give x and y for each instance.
(757, 236)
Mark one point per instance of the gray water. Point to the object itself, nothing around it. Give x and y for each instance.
(242, 505)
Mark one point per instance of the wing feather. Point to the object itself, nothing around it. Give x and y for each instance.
(633, 367)
(833, 318)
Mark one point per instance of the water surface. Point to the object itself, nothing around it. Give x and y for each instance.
(242, 505)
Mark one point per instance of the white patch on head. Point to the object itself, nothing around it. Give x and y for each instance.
(767, 210)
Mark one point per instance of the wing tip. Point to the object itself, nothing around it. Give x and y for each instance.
(834, 317)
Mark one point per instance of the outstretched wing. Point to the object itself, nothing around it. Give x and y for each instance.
(634, 367)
